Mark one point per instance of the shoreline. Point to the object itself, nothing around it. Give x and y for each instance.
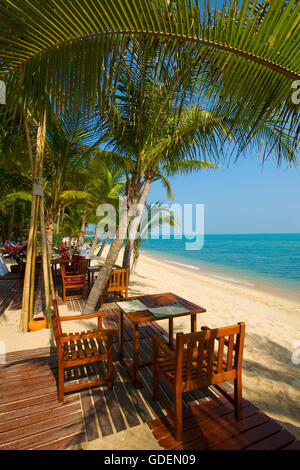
(224, 276)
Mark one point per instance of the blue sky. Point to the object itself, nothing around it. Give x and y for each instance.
(242, 197)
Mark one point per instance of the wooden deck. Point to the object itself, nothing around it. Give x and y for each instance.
(32, 418)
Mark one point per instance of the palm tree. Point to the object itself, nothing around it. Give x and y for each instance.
(151, 139)
(243, 57)
(154, 215)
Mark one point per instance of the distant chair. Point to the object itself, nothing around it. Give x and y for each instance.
(82, 348)
(72, 281)
(194, 364)
(73, 267)
(117, 285)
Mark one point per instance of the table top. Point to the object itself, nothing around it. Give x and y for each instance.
(160, 300)
(94, 268)
(61, 260)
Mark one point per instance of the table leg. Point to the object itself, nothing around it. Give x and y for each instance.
(193, 323)
(171, 333)
(136, 347)
(121, 335)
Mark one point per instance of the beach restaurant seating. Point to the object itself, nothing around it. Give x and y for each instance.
(195, 364)
(78, 265)
(82, 348)
(117, 286)
(74, 281)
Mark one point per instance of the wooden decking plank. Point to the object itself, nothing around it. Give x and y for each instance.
(293, 446)
(135, 396)
(221, 434)
(102, 412)
(31, 409)
(194, 425)
(44, 437)
(89, 415)
(250, 437)
(35, 429)
(126, 404)
(274, 442)
(39, 417)
(114, 409)
(62, 443)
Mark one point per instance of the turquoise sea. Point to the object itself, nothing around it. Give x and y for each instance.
(270, 262)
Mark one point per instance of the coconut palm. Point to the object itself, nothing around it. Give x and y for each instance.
(154, 216)
(152, 140)
(243, 57)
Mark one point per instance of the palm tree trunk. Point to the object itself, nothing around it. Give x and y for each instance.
(135, 225)
(103, 244)
(11, 220)
(94, 244)
(82, 230)
(105, 273)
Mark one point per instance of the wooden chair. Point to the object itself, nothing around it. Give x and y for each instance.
(78, 265)
(117, 285)
(73, 281)
(195, 364)
(82, 348)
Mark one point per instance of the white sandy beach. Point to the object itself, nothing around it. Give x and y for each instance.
(270, 379)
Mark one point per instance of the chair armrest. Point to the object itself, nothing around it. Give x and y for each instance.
(83, 317)
(160, 344)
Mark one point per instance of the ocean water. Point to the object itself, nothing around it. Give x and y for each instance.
(270, 262)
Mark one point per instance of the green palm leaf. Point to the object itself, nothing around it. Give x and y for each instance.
(242, 59)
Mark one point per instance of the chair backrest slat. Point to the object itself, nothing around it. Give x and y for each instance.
(200, 356)
(210, 356)
(189, 362)
(220, 355)
(230, 352)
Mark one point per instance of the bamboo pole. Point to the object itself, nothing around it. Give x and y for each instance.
(27, 275)
(33, 263)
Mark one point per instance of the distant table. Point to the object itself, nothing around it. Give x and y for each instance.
(145, 316)
(55, 261)
(91, 273)
(95, 269)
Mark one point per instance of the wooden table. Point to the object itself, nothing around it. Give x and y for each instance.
(95, 269)
(91, 274)
(145, 316)
(54, 262)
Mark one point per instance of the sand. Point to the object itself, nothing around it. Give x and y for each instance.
(270, 378)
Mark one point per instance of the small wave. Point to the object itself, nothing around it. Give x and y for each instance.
(237, 281)
(190, 266)
(223, 278)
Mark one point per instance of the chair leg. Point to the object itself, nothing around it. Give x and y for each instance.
(110, 366)
(60, 382)
(178, 415)
(238, 398)
(155, 377)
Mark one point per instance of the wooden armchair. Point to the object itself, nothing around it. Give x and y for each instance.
(73, 281)
(195, 364)
(117, 285)
(82, 348)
